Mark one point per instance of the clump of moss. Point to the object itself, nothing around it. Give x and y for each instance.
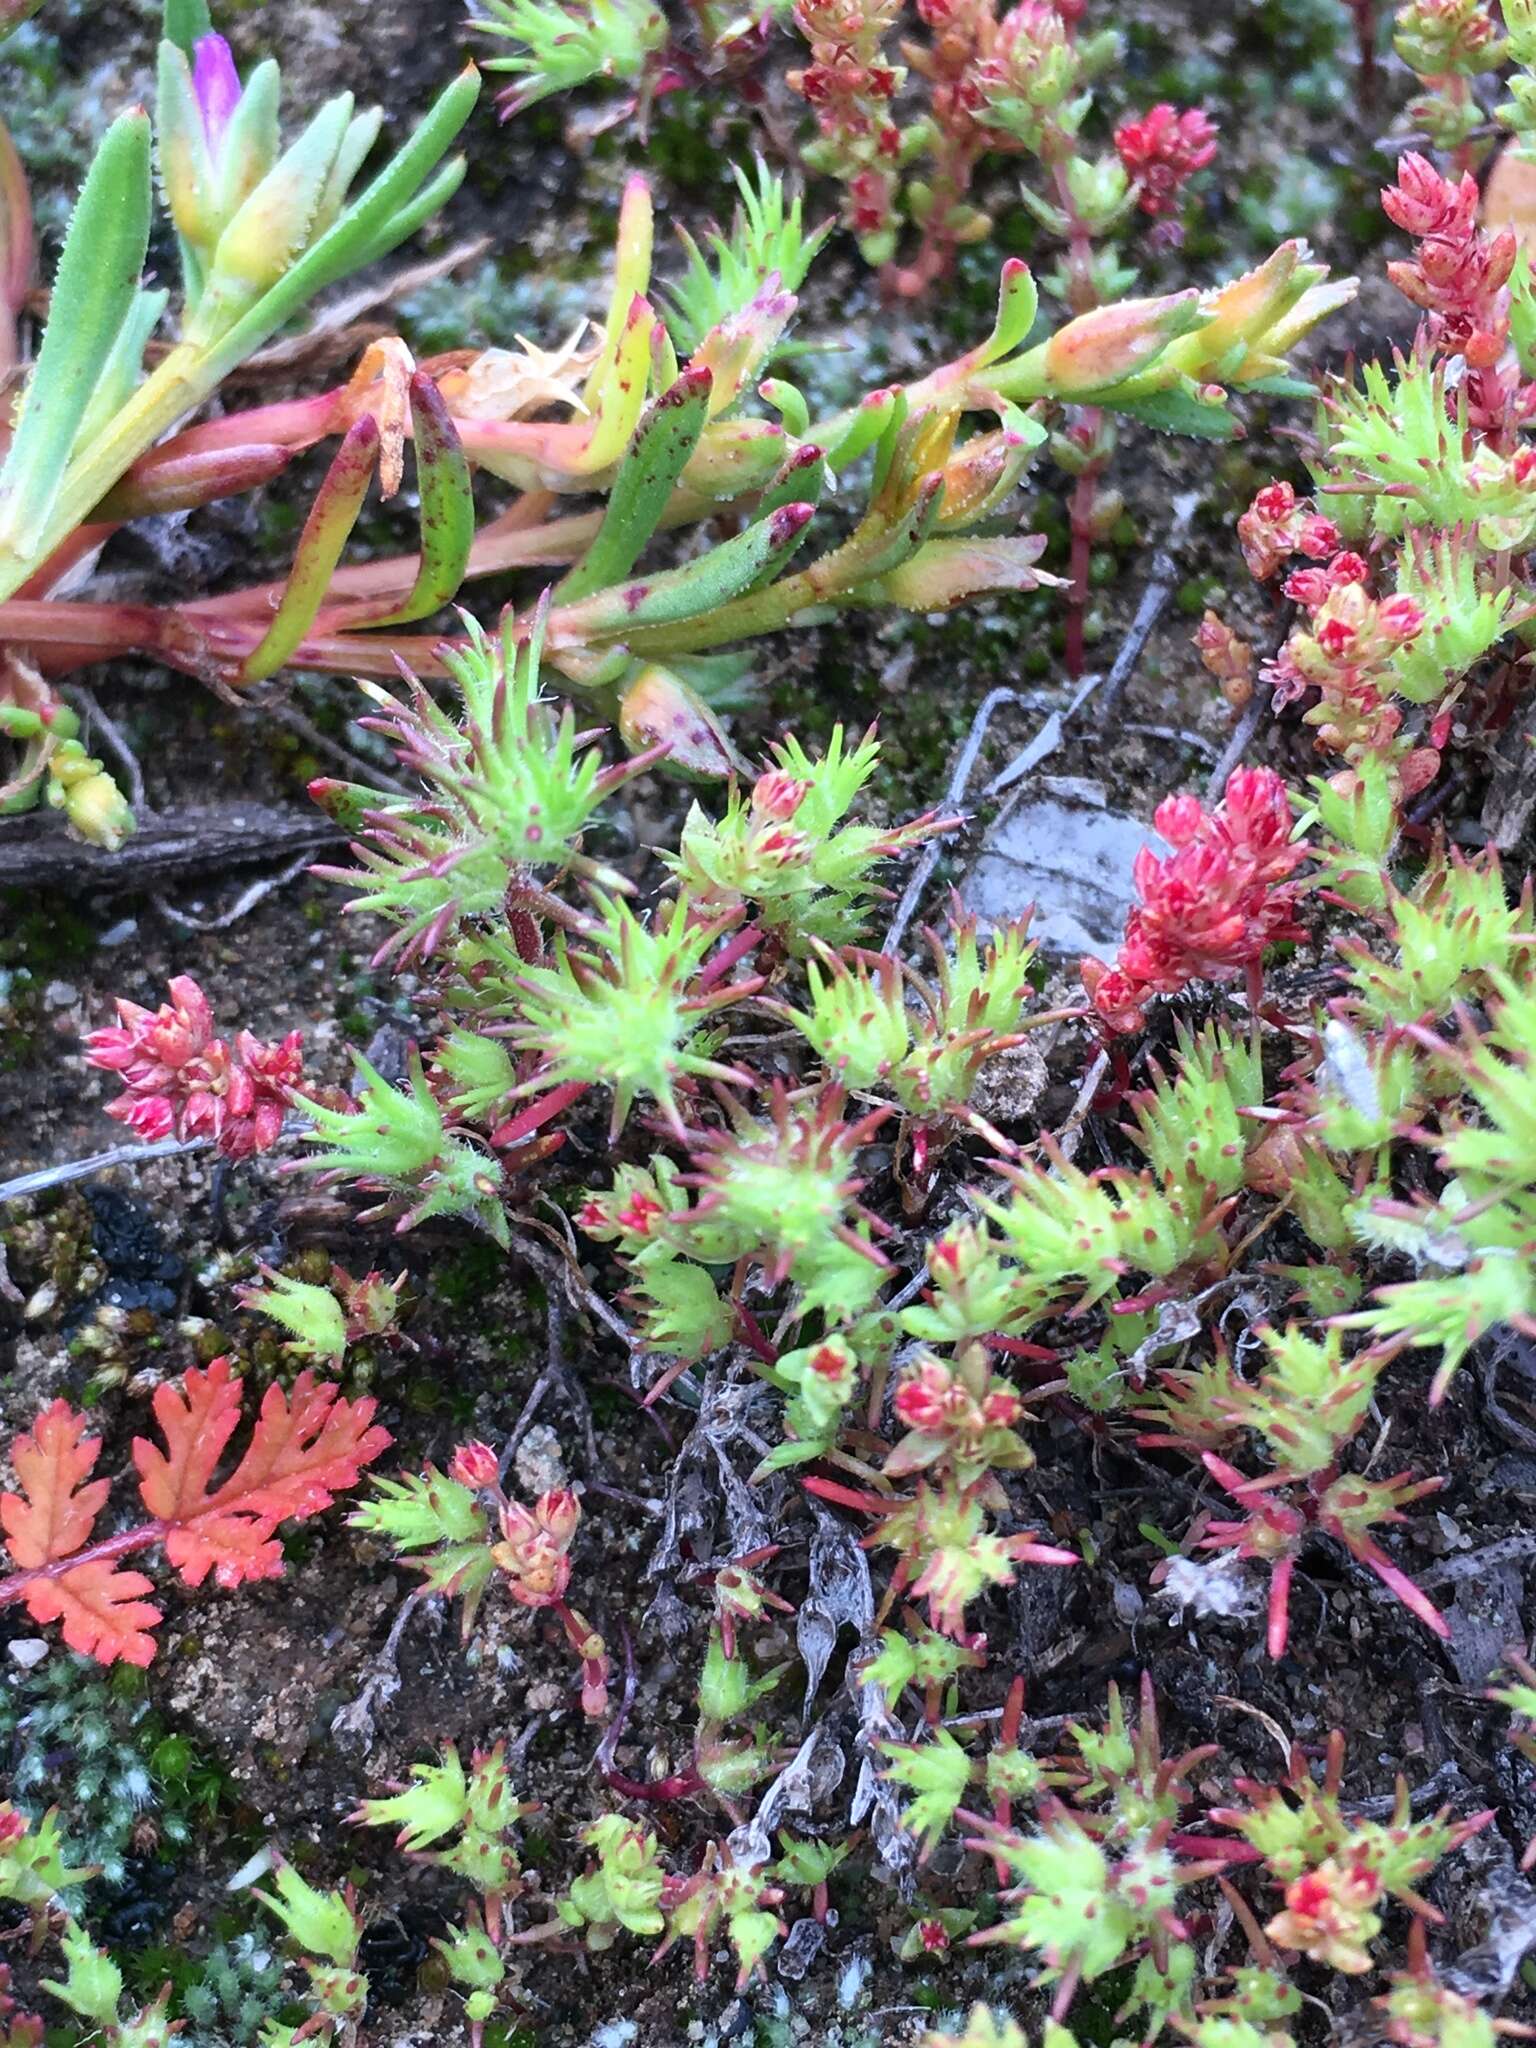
(88, 1742)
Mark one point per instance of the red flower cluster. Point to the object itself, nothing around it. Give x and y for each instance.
(534, 1547)
(1345, 652)
(933, 1399)
(851, 88)
(181, 1081)
(1212, 906)
(1162, 151)
(1277, 524)
(1458, 274)
(1226, 656)
(1330, 1912)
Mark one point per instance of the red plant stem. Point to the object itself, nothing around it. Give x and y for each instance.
(107, 1551)
(681, 1785)
(1085, 492)
(67, 636)
(936, 252)
(751, 1333)
(1365, 31)
(1082, 297)
(1007, 1738)
(878, 1379)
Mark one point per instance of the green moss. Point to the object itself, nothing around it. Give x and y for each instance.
(468, 1275)
(43, 933)
(489, 306)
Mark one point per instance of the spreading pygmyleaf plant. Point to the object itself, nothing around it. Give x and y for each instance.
(305, 1447)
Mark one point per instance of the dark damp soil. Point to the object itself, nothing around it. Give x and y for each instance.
(120, 1280)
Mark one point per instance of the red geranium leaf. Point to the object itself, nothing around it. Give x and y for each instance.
(307, 1447)
(101, 1609)
(54, 1513)
(197, 1419)
(233, 1547)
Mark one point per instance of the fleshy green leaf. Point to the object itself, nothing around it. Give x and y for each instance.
(94, 292)
(652, 464)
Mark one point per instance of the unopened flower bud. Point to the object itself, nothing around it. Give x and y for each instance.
(1104, 347)
(475, 1465)
(1228, 657)
(778, 795)
(558, 1512)
(91, 801)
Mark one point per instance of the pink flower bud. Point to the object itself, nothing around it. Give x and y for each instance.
(922, 1399)
(216, 84)
(475, 1465)
(558, 1513)
(1318, 538)
(778, 795)
(1401, 618)
(1178, 819)
(1308, 587)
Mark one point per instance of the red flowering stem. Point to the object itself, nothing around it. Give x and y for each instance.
(1007, 1738)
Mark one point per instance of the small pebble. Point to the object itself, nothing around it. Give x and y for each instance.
(28, 1651)
(539, 1464)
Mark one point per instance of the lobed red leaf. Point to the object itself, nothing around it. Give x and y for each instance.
(307, 1447)
(101, 1610)
(55, 1511)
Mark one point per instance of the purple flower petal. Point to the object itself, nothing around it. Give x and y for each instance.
(217, 86)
